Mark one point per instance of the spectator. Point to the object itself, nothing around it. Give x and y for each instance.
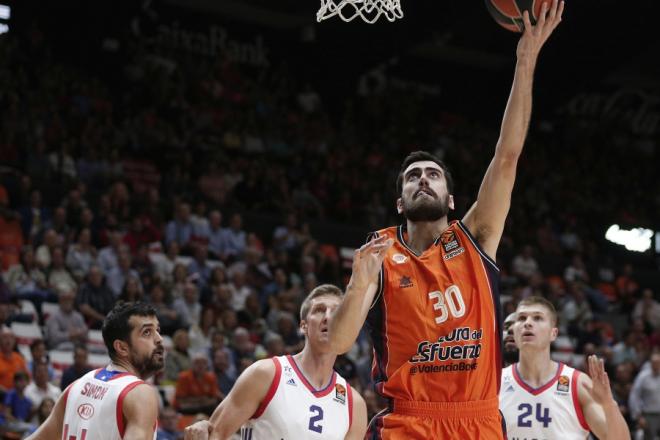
(197, 388)
(39, 353)
(34, 216)
(167, 317)
(222, 369)
(217, 245)
(95, 299)
(624, 351)
(40, 388)
(109, 256)
(178, 359)
(117, 277)
(164, 267)
(79, 367)
(66, 326)
(179, 280)
(199, 268)
(180, 229)
(59, 277)
(26, 279)
(167, 425)
(235, 238)
(11, 235)
(10, 361)
(576, 271)
(644, 401)
(43, 411)
(648, 310)
(524, 264)
(188, 307)
(18, 407)
(201, 334)
(132, 290)
(81, 255)
(44, 252)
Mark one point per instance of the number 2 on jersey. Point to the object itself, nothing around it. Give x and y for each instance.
(449, 302)
(315, 419)
(542, 415)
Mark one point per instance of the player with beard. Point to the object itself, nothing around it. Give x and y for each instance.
(428, 288)
(114, 402)
(511, 353)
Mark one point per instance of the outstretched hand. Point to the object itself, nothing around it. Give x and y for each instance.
(367, 262)
(534, 36)
(601, 390)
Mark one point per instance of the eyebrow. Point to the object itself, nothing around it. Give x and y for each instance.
(425, 169)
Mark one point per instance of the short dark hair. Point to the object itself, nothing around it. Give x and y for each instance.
(21, 375)
(116, 324)
(323, 289)
(539, 300)
(418, 156)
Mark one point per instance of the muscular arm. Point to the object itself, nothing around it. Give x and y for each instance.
(141, 413)
(599, 407)
(359, 425)
(352, 312)
(242, 402)
(52, 427)
(487, 216)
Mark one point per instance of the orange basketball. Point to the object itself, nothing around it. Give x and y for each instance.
(509, 13)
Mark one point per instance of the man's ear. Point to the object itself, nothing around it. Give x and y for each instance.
(399, 205)
(121, 348)
(450, 202)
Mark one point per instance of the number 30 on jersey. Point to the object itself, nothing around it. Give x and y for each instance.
(449, 302)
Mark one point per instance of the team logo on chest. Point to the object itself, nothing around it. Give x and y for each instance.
(563, 384)
(399, 258)
(340, 394)
(405, 282)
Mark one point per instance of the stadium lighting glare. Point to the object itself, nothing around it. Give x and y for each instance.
(5, 12)
(636, 240)
(3, 28)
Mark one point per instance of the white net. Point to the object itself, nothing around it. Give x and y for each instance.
(367, 10)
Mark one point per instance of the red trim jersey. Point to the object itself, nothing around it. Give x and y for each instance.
(94, 405)
(435, 322)
(293, 409)
(551, 411)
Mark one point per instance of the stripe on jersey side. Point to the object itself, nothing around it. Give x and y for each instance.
(477, 246)
(576, 400)
(381, 274)
(120, 405)
(271, 390)
(493, 277)
(375, 428)
(377, 327)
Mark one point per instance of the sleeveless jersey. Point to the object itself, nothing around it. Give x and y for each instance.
(552, 411)
(435, 321)
(94, 405)
(294, 410)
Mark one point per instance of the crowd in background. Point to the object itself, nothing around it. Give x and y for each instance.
(135, 187)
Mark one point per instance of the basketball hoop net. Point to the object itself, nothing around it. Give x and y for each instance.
(367, 10)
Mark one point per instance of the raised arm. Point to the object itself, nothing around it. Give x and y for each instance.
(599, 407)
(141, 413)
(239, 406)
(486, 217)
(347, 321)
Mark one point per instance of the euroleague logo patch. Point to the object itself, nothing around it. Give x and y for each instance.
(449, 241)
(85, 411)
(563, 384)
(340, 393)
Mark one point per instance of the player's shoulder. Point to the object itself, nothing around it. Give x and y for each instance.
(507, 371)
(140, 394)
(264, 369)
(389, 232)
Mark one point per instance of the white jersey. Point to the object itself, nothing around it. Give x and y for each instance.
(94, 405)
(294, 410)
(550, 412)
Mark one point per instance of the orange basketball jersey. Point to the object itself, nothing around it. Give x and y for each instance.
(435, 321)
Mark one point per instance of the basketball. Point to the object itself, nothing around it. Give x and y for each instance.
(509, 13)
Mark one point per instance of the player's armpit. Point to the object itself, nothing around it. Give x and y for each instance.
(245, 398)
(140, 413)
(359, 424)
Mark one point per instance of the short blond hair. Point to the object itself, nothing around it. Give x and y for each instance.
(539, 300)
(323, 289)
